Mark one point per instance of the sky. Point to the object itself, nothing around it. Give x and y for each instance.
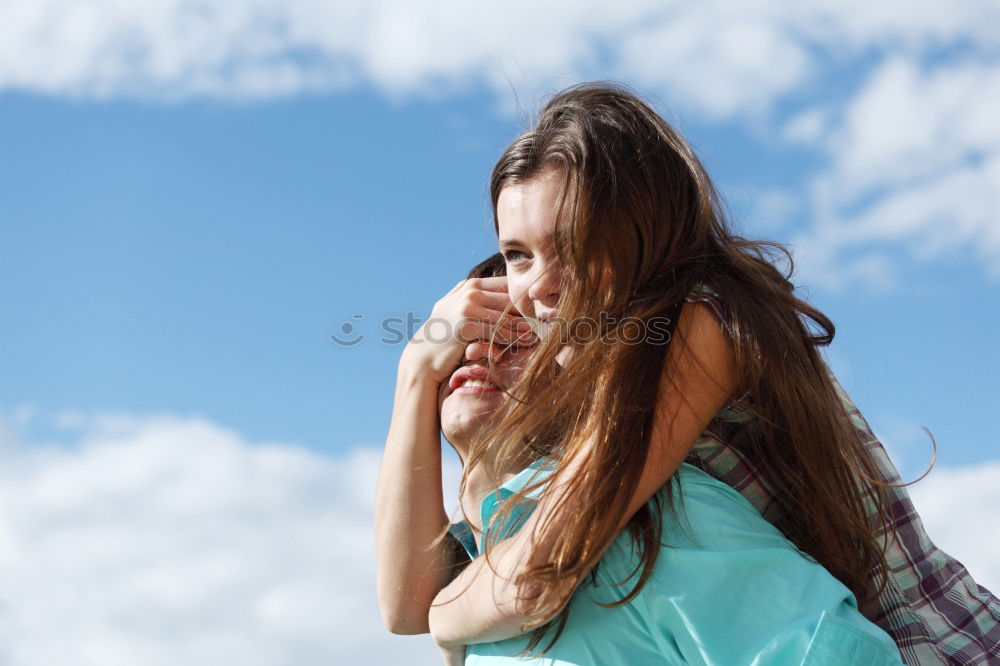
(199, 198)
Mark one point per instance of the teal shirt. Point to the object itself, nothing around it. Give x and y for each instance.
(728, 588)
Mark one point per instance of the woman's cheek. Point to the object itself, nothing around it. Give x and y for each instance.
(526, 307)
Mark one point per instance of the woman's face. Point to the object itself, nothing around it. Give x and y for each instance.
(526, 217)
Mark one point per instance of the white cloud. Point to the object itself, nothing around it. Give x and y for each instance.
(724, 58)
(807, 127)
(907, 124)
(857, 25)
(958, 508)
(720, 62)
(163, 540)
(914, 165)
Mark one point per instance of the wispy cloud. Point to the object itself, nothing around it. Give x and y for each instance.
(914, 165)
(721, 56)
(958, 507)
(164, 540)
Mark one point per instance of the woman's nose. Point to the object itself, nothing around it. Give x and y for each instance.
(545, 287)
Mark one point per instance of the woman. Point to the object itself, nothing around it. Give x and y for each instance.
(780, 608)
(606, 217)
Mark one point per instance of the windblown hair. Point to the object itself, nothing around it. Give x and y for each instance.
(640, 224)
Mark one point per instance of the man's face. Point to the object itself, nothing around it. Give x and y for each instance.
(472, 392)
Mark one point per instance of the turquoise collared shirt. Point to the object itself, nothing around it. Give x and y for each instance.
(728, 588)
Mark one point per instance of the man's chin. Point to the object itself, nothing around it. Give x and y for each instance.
(461, 429)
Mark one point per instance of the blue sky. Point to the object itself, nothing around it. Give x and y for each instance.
(193, 198)
(195, 258)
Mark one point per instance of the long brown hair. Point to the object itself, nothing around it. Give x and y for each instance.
(637, 201)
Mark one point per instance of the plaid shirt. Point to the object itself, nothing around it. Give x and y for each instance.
(931, 607)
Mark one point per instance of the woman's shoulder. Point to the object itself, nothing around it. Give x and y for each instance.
(736, 408)
(702, 292)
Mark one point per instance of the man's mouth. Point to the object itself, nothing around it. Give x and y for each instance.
(471, 379)
(475, 386)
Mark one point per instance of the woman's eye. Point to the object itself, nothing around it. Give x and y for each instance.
(513, 255)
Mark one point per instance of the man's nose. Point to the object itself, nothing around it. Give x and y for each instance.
(479, 351)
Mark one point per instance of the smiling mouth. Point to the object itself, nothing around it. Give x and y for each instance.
(476, 386)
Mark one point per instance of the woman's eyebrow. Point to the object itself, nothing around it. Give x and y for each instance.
(513, 242)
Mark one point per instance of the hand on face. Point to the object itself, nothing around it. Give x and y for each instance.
(473, 311)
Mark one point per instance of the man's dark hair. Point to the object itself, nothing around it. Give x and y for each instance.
(494, 266)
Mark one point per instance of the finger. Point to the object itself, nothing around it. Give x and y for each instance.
(521, 339)
(492, 300)
(472, 330)
(504, 338)
(498, 284)
(502, 318)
